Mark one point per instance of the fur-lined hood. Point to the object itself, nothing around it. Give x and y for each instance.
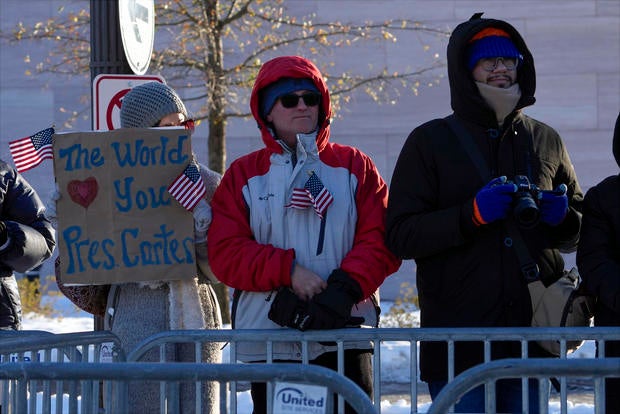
(465, 98)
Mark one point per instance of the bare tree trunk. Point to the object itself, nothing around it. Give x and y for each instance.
(217, 121)
(217, 161)
(217, 137)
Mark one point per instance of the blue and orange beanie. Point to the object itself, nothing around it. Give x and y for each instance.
(491, 42)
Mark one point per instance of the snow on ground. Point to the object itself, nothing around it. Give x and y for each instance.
(394, 355)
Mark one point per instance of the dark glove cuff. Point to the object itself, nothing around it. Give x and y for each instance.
(4, 233)
(288, 310)
(345, 283)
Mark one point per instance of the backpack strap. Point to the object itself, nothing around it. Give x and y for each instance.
(468, 144)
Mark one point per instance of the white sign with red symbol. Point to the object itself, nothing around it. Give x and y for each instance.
(108, 91)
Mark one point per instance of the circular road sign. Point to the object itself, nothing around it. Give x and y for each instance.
(108, 92)
(137, 21)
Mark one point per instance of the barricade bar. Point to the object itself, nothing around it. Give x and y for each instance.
(72, 347)
(378, 334)
(413, 336)
(30, 341)
(513, 367)
(148, 371)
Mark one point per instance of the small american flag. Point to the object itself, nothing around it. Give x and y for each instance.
(313, 194)
(188, 188)
(30, 151)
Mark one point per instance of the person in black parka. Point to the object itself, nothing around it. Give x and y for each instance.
(598, 259)
(449, 210)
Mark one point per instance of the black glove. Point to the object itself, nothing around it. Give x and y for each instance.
(289, 310)
(4, 233)
(331, 309)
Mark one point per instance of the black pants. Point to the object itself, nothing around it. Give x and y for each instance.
(612, 385)
(10, 304)
(357, 367)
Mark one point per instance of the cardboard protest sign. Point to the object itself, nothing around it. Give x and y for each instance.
(117, 221)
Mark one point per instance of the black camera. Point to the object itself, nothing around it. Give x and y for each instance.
(525, 208)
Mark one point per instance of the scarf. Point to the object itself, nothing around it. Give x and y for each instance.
(502, 100)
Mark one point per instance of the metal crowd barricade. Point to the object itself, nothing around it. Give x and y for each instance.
(535, 367)
(54, 356)
(34, 347)
(173, 372)
(379, 336)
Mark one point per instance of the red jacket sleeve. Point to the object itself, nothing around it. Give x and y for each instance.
(369, 261)
(236, 258)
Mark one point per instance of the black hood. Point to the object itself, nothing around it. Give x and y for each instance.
(616, 141)
(466, 101)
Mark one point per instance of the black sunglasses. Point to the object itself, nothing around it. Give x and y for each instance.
(291, 100)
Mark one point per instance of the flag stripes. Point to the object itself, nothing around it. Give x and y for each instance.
(30, 151)
(188, 188)
(313, 194)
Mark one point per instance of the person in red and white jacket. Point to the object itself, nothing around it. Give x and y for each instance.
(298, 226)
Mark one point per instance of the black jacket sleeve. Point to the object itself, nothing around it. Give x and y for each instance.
(31, 237)
(598, 255)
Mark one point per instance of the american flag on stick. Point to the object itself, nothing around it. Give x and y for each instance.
(313, 194)
(30, 151)
(188, 188)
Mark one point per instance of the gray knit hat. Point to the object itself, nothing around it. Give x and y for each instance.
(146, 104)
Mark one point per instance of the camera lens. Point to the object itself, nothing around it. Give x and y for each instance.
(526, 211)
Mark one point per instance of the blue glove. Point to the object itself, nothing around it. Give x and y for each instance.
(553, 205)
(493, 201)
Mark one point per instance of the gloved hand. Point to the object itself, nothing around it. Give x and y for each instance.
(287, 309)
(553, 205)
(493, 201)
(331, 309)
(50, 206)
(202, 220)
(4, 233)
(55, 195)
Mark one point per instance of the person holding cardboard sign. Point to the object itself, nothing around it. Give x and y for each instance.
(134, 311)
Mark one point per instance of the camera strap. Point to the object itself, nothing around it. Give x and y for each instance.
(467, 141)
(529, 268)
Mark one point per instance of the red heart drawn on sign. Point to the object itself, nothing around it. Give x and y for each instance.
(83, 192)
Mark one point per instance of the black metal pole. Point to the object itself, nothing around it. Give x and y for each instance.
(107, 55)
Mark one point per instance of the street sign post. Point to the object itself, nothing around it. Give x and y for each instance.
(108, 91)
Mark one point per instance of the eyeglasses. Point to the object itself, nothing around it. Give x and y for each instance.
(189, 125)
(490, 64)
(291, 100)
